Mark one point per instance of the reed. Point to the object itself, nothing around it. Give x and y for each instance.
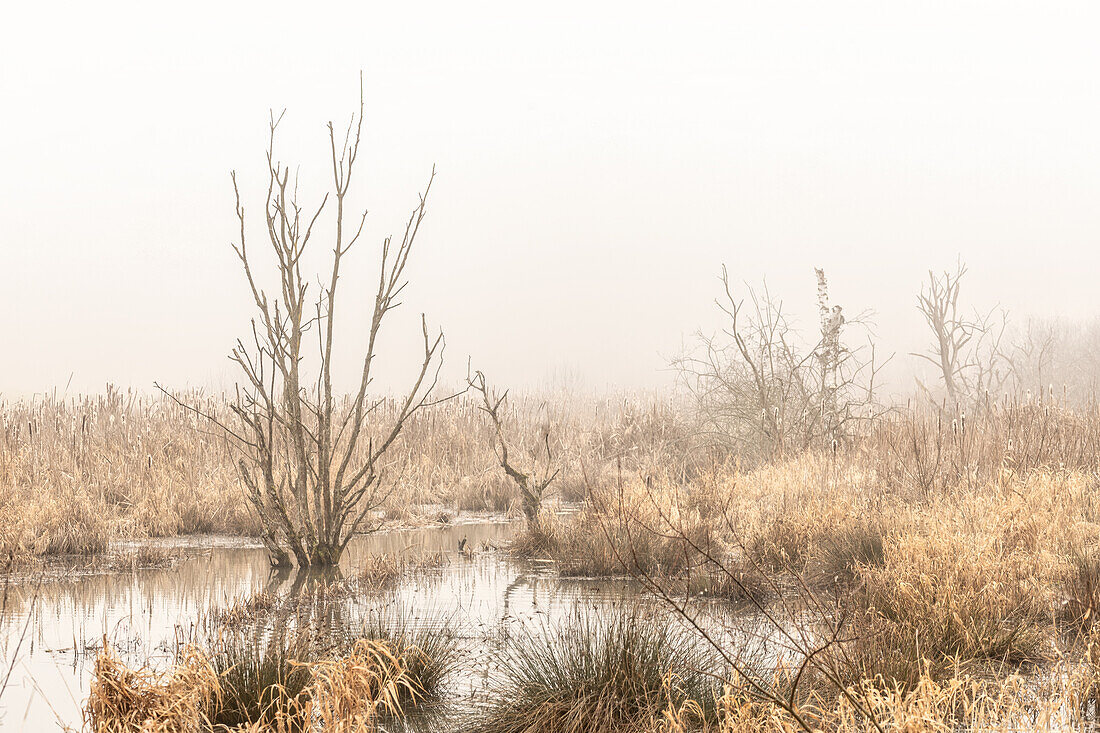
(1063, 701)
(78, 472)
(938, 605)
(955, 553)
(384, 570)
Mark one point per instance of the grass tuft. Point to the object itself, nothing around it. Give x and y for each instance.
(597, 674)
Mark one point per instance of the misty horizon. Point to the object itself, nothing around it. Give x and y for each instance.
(589, 190)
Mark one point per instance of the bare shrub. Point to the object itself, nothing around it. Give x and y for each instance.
(760, 391)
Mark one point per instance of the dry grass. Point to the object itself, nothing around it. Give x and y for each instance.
(1081, 602)
(347, 693)
(76, 473)
(245, 611)
(956, 560)
(1066, 700)
(598, 674)
(123, 700)
(385, 570)
(264, 681)
(958, 555)
(939, 604)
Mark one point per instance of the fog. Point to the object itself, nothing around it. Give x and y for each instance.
(597, 164)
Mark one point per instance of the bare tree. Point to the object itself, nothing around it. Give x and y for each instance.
(532, 483)
(313, 471)
(1054, 359)
(758, 389)
(1036, 356)
(966, 351)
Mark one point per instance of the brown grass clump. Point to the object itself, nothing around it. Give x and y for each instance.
(622, 530)
(958, 702)
(597, 547)
(124, 700)
(597, 674)
(537, 540)
(344, 694)
(384, 570)
(1082, 589)
(349, 694)
(938, 604)
(484, 494)
(245, 610)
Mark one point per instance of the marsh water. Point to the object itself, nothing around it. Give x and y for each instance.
(53, 626)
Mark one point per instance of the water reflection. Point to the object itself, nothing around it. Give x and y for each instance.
(145, 613)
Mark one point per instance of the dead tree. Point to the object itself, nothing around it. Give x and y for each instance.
(1033, 357)
(313, 470)
(532, 485)
(762, 392)
(830, 353)
(965, 350)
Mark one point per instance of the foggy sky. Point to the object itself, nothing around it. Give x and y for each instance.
(597, 165)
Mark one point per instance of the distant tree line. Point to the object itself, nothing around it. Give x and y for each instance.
(762, 389)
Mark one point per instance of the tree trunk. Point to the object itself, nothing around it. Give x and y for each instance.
(531, 510)
(325, 555)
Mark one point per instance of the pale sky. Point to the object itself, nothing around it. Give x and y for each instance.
(597, 164)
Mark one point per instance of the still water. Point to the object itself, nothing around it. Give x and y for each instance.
(64, 618)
